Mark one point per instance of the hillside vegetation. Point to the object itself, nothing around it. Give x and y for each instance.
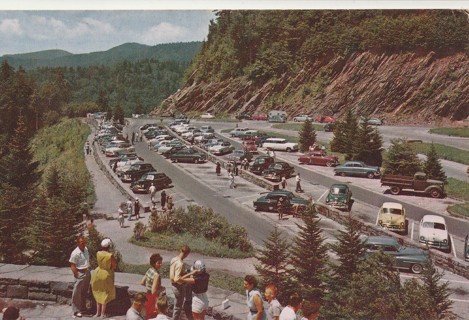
(377, 62)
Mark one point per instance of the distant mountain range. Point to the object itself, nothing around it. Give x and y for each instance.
(179, 52)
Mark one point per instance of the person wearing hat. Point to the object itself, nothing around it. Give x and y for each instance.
(135, 311)
(137, 208)
(11, 313)
(80, 264)
(102, 280)
(198, 278)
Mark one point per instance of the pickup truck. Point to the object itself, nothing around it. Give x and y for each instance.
(418, 182)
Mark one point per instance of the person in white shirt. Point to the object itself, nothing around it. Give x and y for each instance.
(294, 304)
(80, 265)
(273, 313)
(152, 190)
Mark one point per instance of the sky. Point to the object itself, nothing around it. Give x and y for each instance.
(98, 25)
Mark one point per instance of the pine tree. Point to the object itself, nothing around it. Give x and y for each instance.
(401, 158)
(307, 136)
(308, 257)
(345, 135)
(368, 145)
(118, 114)
(273, 263)
(437, 290)
(339, 141)
(432, 166)
(415, 302)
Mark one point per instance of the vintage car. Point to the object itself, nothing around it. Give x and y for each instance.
(259, 117)
(392, 216)
(136, 171)
(250, 145)
(277, 170)
(159, 179)
(188, 155)
(324, 119)
(243, 116)
(207, 115)
(375, 121)
(168, 153)
(318, 157)
(277, 119)
(235, 133)
(221, 148)
(280, 144)
(268, 202)
(121, 148)
(302, 118)
(407, 258)
(434, 232)
(339, 197)
(260, 164)
(123, 159)
(357, 169)
(240, 155)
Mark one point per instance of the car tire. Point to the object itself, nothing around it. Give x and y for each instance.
(370, 175)
(196, 160)
(288, 149)
(416, 268)
(435, 193)
(342, 174)
(328, 164)
(395, 190)
(175, 160)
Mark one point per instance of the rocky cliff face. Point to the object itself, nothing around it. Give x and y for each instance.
(406, 88)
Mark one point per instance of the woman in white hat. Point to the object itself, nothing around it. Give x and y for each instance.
(102, 279)
(199, 280)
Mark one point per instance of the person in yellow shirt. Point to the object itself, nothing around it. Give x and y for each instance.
(181, 290)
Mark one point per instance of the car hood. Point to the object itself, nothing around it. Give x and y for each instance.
(434, 233)
(435, 181)
(408, 251)
(336, 197)
(391, 218)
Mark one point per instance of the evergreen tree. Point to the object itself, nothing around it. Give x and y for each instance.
(273, 260)
(308, 257)
(415, 302)
(432, 166)
(118, 114)
(438, 291)
(345, 135)
(339, 140)
(307, 136)
(368, 145)
(401, 158)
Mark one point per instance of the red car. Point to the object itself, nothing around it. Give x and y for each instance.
(259, 117)
(250, 145)
(320, 158)
(325, 119)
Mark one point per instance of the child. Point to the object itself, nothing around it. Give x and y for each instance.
(162, 308)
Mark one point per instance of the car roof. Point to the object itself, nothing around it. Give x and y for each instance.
(433, 218)
(280, 192)
(392, 205)
(339, 185)
(361, 162)
(381, 240)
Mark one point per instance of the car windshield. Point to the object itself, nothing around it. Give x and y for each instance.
(434, 225)
(336, 190)
(150, 177)
(392, 211)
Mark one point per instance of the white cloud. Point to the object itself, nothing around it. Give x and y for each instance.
(98, 26)
(10, 27)
(163, 32)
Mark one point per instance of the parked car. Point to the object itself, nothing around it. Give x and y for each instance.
(418, 183)
(280, 144)
(259, 117)
(392, 216)
(277, 170)
(207, 115)
(324, 119)
(221, 148)
(412, 259)
(302, 118)
(329, 127)
(243, 115)
(260, 138)
(248, 135)
(159, 179)
(340, 197)
(250, 145)
(188, 155)
(375, 121)
(123, 159)
(357, 169)
(122, 148)
(318, 157)
(240, 155)
(238, 131)
(136, 171)
(434, 232)
(260, 164)
(277, 119)
(168, 153)
(268, 202)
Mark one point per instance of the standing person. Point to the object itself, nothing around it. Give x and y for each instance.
(294, 304)
(141, 137)
(114, 167)
(87, 147)
(137, 208)
(298, 183)
(135, 311)
(163, 199)
(102, 280)
(284, 183)
(133, 137)
(180, 289)
(152, 282)
(198, 279)
(271, 291)
(120, 217)
(136, 137)
(310, 310)
(162, 308)
(232, 180)
(283, 206)
(170, 203)
(253, 299)
(80, 264)
(129, 209)
(152, 190)
(218, 168)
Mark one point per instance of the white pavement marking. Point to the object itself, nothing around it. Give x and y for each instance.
(452, 246)
(377, 216)
(458, 300)
(412, 232)
(322, 195)
(250, 196)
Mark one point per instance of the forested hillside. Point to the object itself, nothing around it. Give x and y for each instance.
(391, 63)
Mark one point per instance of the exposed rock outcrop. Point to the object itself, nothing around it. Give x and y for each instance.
(402, 88)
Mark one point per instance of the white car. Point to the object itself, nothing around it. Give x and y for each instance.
(207, 115)
(221, 149)
(238, 131)
(280, 144)
(302, 118)
(392, 216)
(434, 232)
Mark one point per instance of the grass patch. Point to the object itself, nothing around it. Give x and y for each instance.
(296, 126)
(457, 189)
(460, 209)
(218, 278)
(171, 241)
(444, 152)
(456, 132)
